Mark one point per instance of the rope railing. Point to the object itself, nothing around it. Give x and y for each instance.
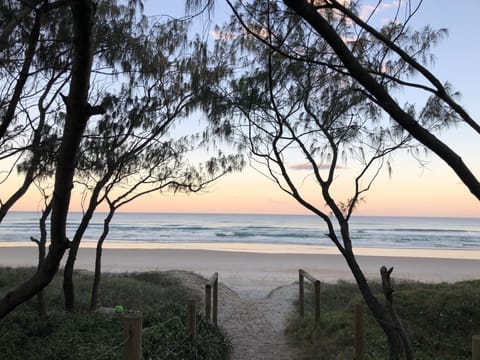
(111, 350)
(171, 352)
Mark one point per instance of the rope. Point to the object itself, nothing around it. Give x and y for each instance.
(113, 349)
(170, 351)
(161, 324)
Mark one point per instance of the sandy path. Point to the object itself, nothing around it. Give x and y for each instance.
(255, 326)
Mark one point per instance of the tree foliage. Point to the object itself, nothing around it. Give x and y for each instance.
(300, 107)
(140, 74)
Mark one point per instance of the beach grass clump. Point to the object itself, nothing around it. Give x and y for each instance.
(440, 319)
(94, 335)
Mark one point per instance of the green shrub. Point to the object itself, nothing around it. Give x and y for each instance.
(440, 318)
(87, 335)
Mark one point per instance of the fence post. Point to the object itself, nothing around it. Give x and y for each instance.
(132, 333)
(191, 320)
(476, 347)
(359, 332)
(317, 302)
(208, 301)
(215, 300)
(301, 296)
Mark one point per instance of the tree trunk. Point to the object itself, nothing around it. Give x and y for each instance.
(78, 113)
(42, 250)
(393, 336)
(309, 13)
(68, 285)
(98, 259)
(388, 292)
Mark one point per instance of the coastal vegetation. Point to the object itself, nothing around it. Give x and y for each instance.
(316, 83)
(93, 335)
(129, 79)
(440, 320)
(308, 78)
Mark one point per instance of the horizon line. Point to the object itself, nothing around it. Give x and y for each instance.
(252, 213)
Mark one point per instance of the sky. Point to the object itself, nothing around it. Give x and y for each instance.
(411, 190)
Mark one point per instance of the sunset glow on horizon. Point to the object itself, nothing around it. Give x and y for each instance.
(412, 190)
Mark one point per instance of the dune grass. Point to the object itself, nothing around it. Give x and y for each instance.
(86, 335)
(440, 318)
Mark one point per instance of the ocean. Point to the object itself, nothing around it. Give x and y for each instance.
(366, 231)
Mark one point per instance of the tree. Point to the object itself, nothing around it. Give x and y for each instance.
(34, 69)
(78, 112)
(397, 66)
(166, 78)
(158, 81)
(167, 170)
(300, 103)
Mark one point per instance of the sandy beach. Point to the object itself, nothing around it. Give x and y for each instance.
(254, 270)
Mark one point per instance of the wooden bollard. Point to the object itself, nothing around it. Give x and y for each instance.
(359, 333)
(208, 302)
(301, 295)
(132, 332)
(191, 320)
(211, 306)
(215, 302)
(317, 302)
(476, 347)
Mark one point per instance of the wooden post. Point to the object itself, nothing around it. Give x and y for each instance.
(301, 296)
(215, 300)
(359, 333)
(208, 301)
(191, 320)
(476, 347)
(211, 311)
(317, 302)
(132, 333)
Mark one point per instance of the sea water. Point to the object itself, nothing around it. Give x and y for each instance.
(366, 231)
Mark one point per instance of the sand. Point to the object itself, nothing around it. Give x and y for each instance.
(254, 270)
(257, 290)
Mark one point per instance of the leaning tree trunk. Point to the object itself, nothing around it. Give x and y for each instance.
(308, 11)
(388, 293)
(389, 328)
(42, 250)
(68, 285)
(98, 259)
(78, 113)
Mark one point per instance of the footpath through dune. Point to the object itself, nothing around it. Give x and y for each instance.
(255, 326)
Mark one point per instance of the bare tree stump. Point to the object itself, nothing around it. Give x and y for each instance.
(388, 292)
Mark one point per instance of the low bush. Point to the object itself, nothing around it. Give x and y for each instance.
(440, 319)
(93, 335)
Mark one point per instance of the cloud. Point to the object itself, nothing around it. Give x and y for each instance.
(367, 9)
(308, 166)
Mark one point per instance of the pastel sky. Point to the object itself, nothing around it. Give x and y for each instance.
(411, 190)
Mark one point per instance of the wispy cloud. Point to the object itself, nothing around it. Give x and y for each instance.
(366, 10)
(308, 166)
